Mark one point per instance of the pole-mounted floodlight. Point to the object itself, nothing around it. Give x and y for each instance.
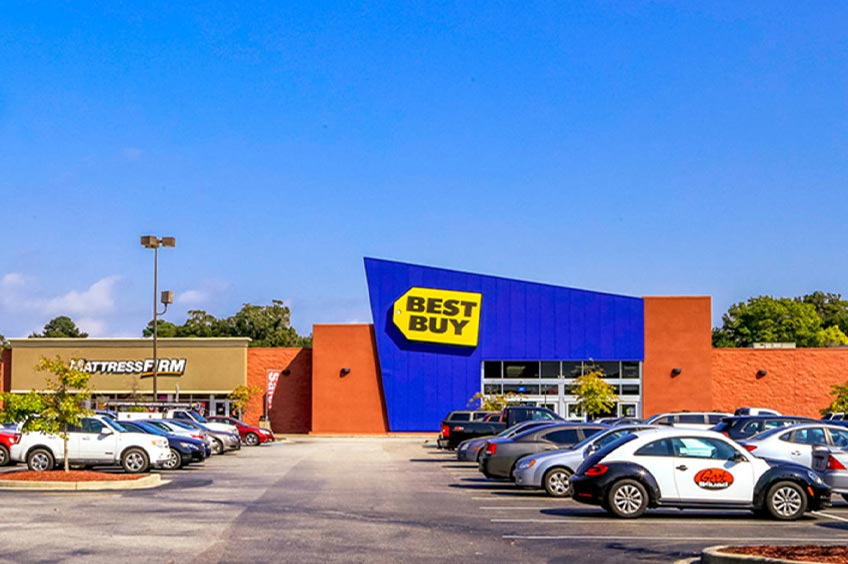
(151, 242)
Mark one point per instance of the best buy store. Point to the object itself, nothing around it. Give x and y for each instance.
(440, 336)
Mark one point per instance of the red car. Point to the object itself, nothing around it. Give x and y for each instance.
(250, 435)
(7, 439)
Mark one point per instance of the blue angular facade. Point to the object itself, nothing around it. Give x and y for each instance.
(422, 382)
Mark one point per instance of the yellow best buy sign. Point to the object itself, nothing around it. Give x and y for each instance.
(439, 316)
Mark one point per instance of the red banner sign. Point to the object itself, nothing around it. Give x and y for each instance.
(273, 378)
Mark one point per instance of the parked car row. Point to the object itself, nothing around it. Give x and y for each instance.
(136, 442)
(757, 459)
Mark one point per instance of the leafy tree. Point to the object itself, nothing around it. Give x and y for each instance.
(241, 395)
(60, 327)
(769, 320)
(164, 329)
(4, 344)
(830, 307)
(266, 326)
(832, 337)
(55, 409)
(201, 324)
(594, 396)
(839, 392)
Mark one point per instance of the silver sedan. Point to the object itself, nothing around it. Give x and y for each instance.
(796, 443)
(552, 470)
(832, 464)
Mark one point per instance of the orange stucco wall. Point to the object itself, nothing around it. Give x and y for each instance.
(797, 382)
(292, 402)
(351, 403)
(677, 335)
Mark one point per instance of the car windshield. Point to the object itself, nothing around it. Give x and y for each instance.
(115, 425)
(148, 428)
(181, 424)
(198, 417)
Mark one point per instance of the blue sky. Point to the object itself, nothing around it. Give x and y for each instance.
(663, 148)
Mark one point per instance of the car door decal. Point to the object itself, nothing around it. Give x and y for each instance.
(713, 479)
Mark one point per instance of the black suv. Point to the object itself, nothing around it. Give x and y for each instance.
(743, 426)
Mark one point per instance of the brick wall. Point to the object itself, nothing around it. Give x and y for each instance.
(292, 403)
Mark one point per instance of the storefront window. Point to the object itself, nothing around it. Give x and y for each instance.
(528, 389)
(572, 369)
(492, 370)
(550, 369)
(630, 370)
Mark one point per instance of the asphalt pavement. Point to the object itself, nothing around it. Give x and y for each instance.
(336, 499)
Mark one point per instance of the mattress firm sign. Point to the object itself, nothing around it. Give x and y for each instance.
(141, 368)
(446, 317)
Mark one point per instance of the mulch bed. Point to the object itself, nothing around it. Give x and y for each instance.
(71, 476)
(802, 553)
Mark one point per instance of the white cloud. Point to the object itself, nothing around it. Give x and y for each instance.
(93, 326)
(98, 299)
(12, 281)
(192, 297)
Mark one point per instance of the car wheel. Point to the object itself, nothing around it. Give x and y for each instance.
(40, 459)
(557, 482)
(251, 439)
(135, 461)
(627, 499)
(786, 501)
(4, 455)
(217, 447)
(174, 461)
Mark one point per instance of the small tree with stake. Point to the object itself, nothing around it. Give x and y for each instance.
(240, 397)
(56, 408)
(594, 396)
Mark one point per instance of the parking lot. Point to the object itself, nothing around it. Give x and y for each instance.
(323, 499)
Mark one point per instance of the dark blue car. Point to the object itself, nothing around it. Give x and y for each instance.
(184, 450)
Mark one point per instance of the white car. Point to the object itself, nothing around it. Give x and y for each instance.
(552, 470)
(688, 419)
(689, 468)
(795, 443)
(190, 415)
(97, 442)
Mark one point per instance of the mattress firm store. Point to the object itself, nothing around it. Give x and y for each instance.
(201, 372)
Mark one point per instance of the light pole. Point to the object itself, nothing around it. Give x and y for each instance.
(151, 242)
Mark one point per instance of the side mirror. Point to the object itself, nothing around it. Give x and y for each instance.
(106, 431)
(739, 457)
(590, 449)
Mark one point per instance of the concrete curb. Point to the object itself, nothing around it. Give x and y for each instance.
(711, 555)
(149, 481)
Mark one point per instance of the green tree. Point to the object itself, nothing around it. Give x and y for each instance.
(594, 396)
(165, 329)
(201, 324)
(60, 327)
(267, 326)
(55, 409)
(765, 319)
(832, 337)
(839, 392)
(4, 343)
(240, 397)
(831, 308)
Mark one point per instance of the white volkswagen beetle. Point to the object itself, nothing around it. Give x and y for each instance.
(688, 468)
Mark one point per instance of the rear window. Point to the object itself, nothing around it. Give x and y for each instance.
(460, 416)
(602, 453)
(690, 418)
(563, 436)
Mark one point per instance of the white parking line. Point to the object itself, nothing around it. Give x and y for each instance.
(599, 521)
(682, 539)
(829, 516)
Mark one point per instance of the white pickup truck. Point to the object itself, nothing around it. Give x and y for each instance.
(96, 442)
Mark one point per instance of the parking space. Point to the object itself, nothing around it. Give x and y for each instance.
(326, 499)
(532, 520)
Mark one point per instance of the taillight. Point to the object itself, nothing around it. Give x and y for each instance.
(726, 434)
(597, 470)
(833, 464)
(491, 448)
(197, 436)
(750, 448)
(446, 431)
